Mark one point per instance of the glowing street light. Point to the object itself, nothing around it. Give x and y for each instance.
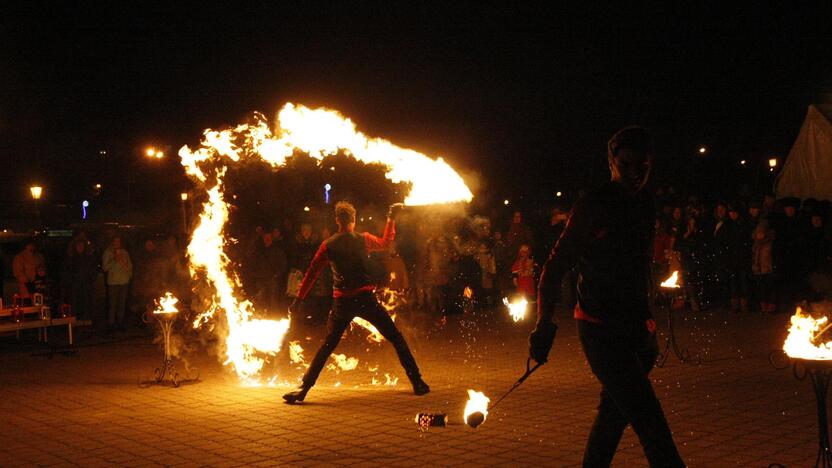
(306, 208)
(506, 202)
(183, 196)
(36, 191)
(152, 152)
(97, 186)
(703, 150)
(772, 163)
(559, 194)
(742, 163)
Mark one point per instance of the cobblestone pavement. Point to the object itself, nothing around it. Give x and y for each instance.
(733, 409)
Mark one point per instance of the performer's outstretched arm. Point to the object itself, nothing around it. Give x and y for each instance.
(320, 260)
(375, 243)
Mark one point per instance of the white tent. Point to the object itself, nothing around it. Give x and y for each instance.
(807, 172)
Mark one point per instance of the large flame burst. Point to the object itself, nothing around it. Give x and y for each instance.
(319, 133)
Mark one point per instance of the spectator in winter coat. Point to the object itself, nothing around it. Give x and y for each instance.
(80, 272)
(488, 270)
(518, 234)
(740, 254)
(116, 263)
(25, 266)
(762, 267)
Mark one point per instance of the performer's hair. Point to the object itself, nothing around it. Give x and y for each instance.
(633, 138)
(344, 213)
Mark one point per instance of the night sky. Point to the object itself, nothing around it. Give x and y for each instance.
(524, 97)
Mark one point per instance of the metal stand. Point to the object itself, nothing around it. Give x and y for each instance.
(167, 373)
(820, 376)
(670, 344)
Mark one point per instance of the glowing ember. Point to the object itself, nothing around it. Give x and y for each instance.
(320, 133)
(803, 334)
(672, 281)
(467, 293)
(343, 363)
(476, 408)
(517, 309)
(166, 304)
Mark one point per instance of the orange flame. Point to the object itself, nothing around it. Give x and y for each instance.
(477, 403)
(672, 281)
(517, 308)
(803, 332)
(320, 133)
(166, 304)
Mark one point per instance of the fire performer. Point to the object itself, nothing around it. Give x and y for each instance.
(608, 236)
(346, 252)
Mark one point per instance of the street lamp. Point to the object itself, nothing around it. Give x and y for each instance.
(37, 192)
(152, 152)
(703, 150)
(772, 162)
(184, 197)
(506, 202)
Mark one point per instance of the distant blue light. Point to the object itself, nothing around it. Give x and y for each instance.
(84, 205)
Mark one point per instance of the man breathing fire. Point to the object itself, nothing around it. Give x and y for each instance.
(347, 253)
(608, 236)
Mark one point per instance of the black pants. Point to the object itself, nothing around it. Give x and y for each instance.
(344, 309)
(622, 362)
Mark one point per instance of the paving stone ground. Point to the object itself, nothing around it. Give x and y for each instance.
(734, 409)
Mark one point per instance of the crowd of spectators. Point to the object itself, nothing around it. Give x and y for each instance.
(760, 255)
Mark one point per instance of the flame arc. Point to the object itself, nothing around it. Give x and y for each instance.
(319, 133)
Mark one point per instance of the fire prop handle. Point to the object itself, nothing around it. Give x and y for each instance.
(529, 371)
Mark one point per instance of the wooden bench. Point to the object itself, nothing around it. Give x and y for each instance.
(37, 317)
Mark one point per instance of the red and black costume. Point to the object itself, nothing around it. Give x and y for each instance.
(347, 253)
(608, 236)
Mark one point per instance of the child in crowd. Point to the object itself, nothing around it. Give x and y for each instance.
(523, 272)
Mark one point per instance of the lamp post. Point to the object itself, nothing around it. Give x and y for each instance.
(37, 192)
(184, 197)
(150, 152)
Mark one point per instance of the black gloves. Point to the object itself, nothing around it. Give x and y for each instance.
(541, 339)
(395, 209)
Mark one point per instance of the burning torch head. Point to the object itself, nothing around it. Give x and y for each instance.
(475, 419)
